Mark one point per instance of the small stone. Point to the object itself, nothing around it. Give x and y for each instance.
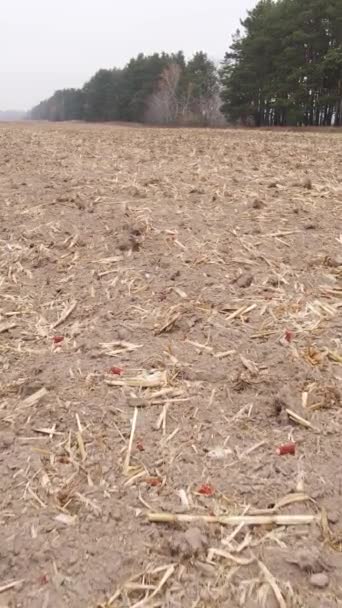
(196, 540)
(245, 280)
(309, 559)
(327, 603)
(137, 230)
(191, 543)
(258, 204)
(333, 517)
(29, 388)
(115, 515)
(321, 580)
(283, 400)
(125, 244)
(273, 281)
(333, 262)
(6, 441)
(205, 596)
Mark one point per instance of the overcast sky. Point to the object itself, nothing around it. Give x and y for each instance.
(48, 45)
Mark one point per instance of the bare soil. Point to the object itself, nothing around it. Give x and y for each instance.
(170, 315)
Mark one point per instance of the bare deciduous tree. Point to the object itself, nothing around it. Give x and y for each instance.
(211, 110)
(179, 100)
(163, 105)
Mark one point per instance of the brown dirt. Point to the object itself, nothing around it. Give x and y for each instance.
(205, 263)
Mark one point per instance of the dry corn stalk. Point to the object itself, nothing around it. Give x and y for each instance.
(235, 520)
(144, 380)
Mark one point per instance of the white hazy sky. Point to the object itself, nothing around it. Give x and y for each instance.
(48, 45)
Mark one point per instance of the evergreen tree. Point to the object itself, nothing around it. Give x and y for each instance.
(286, 67)
(102, 96)
(201, 86)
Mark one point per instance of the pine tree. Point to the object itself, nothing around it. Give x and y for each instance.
(286, 67)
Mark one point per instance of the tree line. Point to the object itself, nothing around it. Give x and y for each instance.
(160, 88)
(284, 67)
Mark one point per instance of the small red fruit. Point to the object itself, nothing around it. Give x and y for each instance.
(153, 481)
(57, 339)
(206, 490)
(287, 448)
(116, 371)
(289, 335)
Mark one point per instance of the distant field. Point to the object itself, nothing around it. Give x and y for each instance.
(170, 315)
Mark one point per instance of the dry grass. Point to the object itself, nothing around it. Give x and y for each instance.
(201, 266)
